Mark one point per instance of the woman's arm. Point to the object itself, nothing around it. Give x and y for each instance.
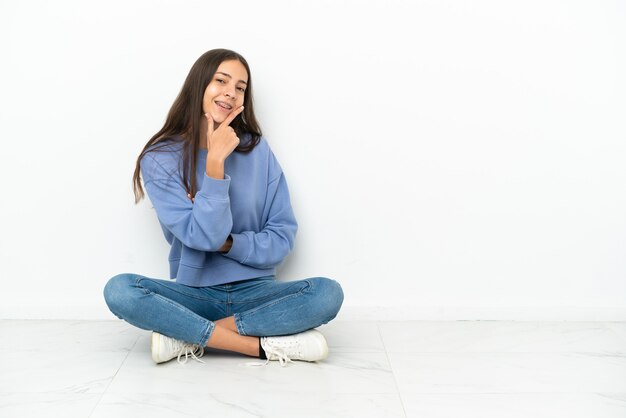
(204, 225)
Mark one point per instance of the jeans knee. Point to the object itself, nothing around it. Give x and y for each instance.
(330, 295)
(116, 290)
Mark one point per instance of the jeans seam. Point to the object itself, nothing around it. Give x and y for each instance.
(207, 334)
(239, 324)
(269, 297)
(258, 308)
(228, 303)
(137, 284)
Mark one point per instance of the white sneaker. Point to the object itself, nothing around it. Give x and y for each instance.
(166, 348)
(308, 346)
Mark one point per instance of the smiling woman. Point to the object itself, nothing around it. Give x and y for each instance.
(222, 200)
(203, 88)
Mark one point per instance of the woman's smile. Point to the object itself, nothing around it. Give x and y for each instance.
(223, 106)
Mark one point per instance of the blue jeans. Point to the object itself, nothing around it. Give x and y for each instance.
(261, 307)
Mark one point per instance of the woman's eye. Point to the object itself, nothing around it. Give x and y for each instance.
(241, 89)
(219, 80)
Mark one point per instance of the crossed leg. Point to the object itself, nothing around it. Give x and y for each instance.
(261, 308)
(226, 337)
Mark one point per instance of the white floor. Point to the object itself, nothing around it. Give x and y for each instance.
(375, 369)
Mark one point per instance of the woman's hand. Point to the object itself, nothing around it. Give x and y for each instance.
(221, 142)
(227, 245)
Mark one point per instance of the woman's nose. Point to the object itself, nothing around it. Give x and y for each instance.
(229, 93)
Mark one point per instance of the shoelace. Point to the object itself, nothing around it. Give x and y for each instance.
(274, 353)
(280, 354)
(191, 350)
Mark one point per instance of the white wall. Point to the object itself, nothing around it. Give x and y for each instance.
(447, 159)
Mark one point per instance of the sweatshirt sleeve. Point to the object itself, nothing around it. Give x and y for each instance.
(203, 225)
(268, 247)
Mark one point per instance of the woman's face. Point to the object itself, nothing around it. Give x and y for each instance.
(226, 91)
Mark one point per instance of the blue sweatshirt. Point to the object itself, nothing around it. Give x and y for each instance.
(251, 204)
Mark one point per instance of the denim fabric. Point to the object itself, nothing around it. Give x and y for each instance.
(261, 307)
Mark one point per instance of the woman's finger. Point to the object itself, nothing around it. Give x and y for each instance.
(209, 120)
(232, 116)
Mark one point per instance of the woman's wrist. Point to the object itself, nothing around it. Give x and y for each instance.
(215, 168)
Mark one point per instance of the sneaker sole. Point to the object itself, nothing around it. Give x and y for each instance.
(156, 347)
(321, 343)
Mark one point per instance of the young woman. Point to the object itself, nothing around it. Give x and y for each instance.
(223, 204)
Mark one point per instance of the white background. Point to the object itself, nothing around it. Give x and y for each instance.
(446, 159)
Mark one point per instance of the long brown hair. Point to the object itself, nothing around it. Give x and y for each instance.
(183, 120)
